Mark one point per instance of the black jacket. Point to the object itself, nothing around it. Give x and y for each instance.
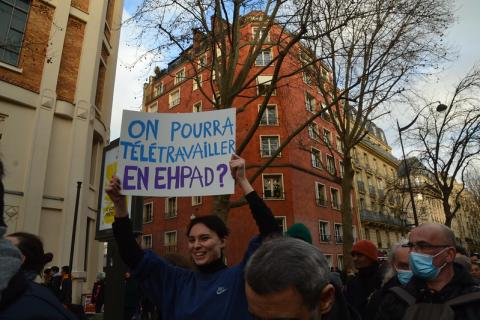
(341, 310)
(377, 297)
(35, 303)
(393, 307)
(358, 290)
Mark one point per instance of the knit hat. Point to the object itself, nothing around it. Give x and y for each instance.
(300, 231)
(367, 248)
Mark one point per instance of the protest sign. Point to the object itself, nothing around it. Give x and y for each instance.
(109, 169)
(177, 154)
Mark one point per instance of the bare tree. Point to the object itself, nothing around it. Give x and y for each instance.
(280, 27)
(447, 143)
(371, 60)
(472, 183)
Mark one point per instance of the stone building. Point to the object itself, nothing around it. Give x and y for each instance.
(57, 67)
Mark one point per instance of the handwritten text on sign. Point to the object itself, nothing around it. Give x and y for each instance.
(181, 154)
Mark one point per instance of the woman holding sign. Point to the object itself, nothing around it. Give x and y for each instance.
(212, 291)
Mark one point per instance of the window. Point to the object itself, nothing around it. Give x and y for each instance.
(257, 33)
(339, 145)
(148, 212)
(197, 107)
(329, 259)
(340, 262)
(326, 137)
(170, 241)
(13, 20)
(313, 131)
(354, 234)
(197, 82)
(273, 186)
(202, 61)
(324, 231)
(331, 165)
(338, 233)
(170, 207)
(309, 102)
(179, 76)
(362, 204)
(335, 198)
(341, 168)
(196, 200)
(367, 233)
(264, 57)
(379, 239)
(158, 89)
(263, 85)
(325, 113)
(269, 144)
(269, 116)
(174, 98)
(320, 194)
(153, 107)
(316, 158)
(307, 78)
(282, 222)
(147, 241)
(217, 99)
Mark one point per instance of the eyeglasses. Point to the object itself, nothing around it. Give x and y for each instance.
(424, 245)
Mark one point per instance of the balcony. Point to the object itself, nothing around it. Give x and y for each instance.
(379, 218)
(169, 214)
(169, 249)
(338, 238)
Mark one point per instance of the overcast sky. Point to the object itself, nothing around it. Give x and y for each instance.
(464, 36)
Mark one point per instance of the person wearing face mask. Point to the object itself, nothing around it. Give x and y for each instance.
(398, 273)
(211, 291)
(436, 280)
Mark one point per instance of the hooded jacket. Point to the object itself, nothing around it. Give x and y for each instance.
(393, 307)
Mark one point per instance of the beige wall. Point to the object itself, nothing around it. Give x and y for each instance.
(46, 144)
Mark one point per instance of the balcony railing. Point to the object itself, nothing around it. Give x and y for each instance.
(338, 238)
(379, 217)
(169, 249)
(170, 214)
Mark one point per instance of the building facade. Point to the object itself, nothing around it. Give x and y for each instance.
(57, 67)
(297, 186)
(375, 169)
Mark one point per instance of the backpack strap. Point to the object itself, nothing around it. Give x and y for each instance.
(465, 298)
(404, 295)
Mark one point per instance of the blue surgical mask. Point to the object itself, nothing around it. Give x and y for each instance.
(404, 276)
(422, 265)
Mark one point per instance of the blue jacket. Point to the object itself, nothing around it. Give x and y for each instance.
(185, 294)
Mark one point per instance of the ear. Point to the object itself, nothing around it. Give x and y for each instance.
(327, 299)
(223, 242)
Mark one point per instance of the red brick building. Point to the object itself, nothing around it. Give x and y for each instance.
(296, 187)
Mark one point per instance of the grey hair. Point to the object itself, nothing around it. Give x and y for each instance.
(391, 272)
(282, 263)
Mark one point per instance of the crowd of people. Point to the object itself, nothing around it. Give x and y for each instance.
(280, 276)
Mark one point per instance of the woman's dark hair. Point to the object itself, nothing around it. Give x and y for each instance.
(32, 248)
(213, 223)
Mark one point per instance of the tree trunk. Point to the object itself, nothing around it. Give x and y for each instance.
(448, 213)
(347, 212)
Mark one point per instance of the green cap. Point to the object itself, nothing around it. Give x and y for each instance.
(300, 231)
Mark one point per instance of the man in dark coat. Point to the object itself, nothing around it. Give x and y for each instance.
(436, 278)
(369, 277)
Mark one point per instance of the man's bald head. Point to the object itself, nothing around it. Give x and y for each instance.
(440, 233)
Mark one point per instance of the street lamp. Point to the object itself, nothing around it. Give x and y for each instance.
(440, 107)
